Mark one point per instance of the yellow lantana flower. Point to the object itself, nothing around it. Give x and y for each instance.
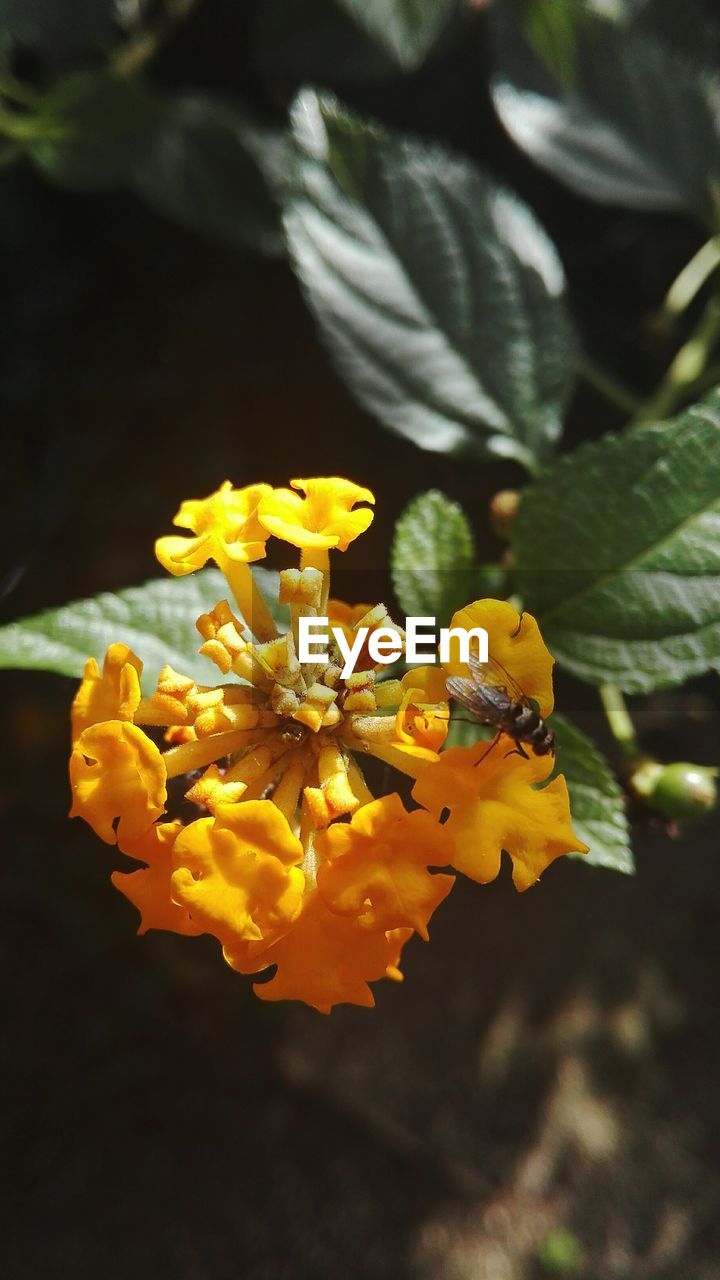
(227, 530)
(292, 862)
(117, 772)
(238, 873)
(114, 695)
(328, 959)
(514, 641)
(375, 867)
(322, 519)
(494, 804)
(149, 887)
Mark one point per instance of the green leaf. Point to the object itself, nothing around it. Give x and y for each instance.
(464, 731)
(407, 29)
(617, 553)
(203, 167)
(609, 110)
(157, 621)
(201, 162)
(437, 293)
(596, 800)
(432, 557)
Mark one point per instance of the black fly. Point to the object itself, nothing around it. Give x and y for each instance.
(494, 698)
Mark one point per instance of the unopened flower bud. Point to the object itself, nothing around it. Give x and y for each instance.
(679, 791)
(503, 509)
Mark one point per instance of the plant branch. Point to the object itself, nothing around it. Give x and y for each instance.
(686, 370)
(689, 282)
(607, 384)
(618, 718)
(132, 57)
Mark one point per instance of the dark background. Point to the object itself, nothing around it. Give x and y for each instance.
(551, 1060)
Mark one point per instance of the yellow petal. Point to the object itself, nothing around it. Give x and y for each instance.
(375, 867)
(116, 772)
(236, 873)
(149, 888)
(225, 526)
(514, 642)
(326, 959)
(323, 518)
(494, 805)
(423, 715)
(114, 695)
(396, 941)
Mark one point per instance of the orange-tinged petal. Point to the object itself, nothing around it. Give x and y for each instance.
(375, 867)
(149, 888)
(515, 642)
(225, 526)
(423, 715)
(114, 695)
(396, 941)
(116, 772)
(322, 518)
(236, 873)
(493, 803)
(326, 959)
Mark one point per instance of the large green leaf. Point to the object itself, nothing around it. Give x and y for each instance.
(596, 800)
(607, 108)
(157, 621)
(438, 294)
(432, 557)
(406, 28)
(617, 551)
(202, 162)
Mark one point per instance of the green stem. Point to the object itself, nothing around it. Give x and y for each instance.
(618, 718)
(689, 282)
(133, 56)
(686, 369)
(607, 384)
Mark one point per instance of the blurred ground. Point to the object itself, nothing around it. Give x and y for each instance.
(551, 1060)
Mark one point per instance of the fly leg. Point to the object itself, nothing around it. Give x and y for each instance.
(518, 628)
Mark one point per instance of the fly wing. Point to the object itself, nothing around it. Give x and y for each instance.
(488, 703)
(492, 674)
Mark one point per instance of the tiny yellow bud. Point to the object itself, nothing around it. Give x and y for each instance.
(503, 510)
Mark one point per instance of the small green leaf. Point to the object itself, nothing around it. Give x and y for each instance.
(596, 801)
(432, 557)
(437, 293)
(605, 107)
(157, 621)
(617, 553)
(407, 29)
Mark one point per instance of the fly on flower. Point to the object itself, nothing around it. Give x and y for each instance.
(494, 698)
(292, 864)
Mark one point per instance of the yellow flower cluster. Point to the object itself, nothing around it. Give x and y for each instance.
(293, 864)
